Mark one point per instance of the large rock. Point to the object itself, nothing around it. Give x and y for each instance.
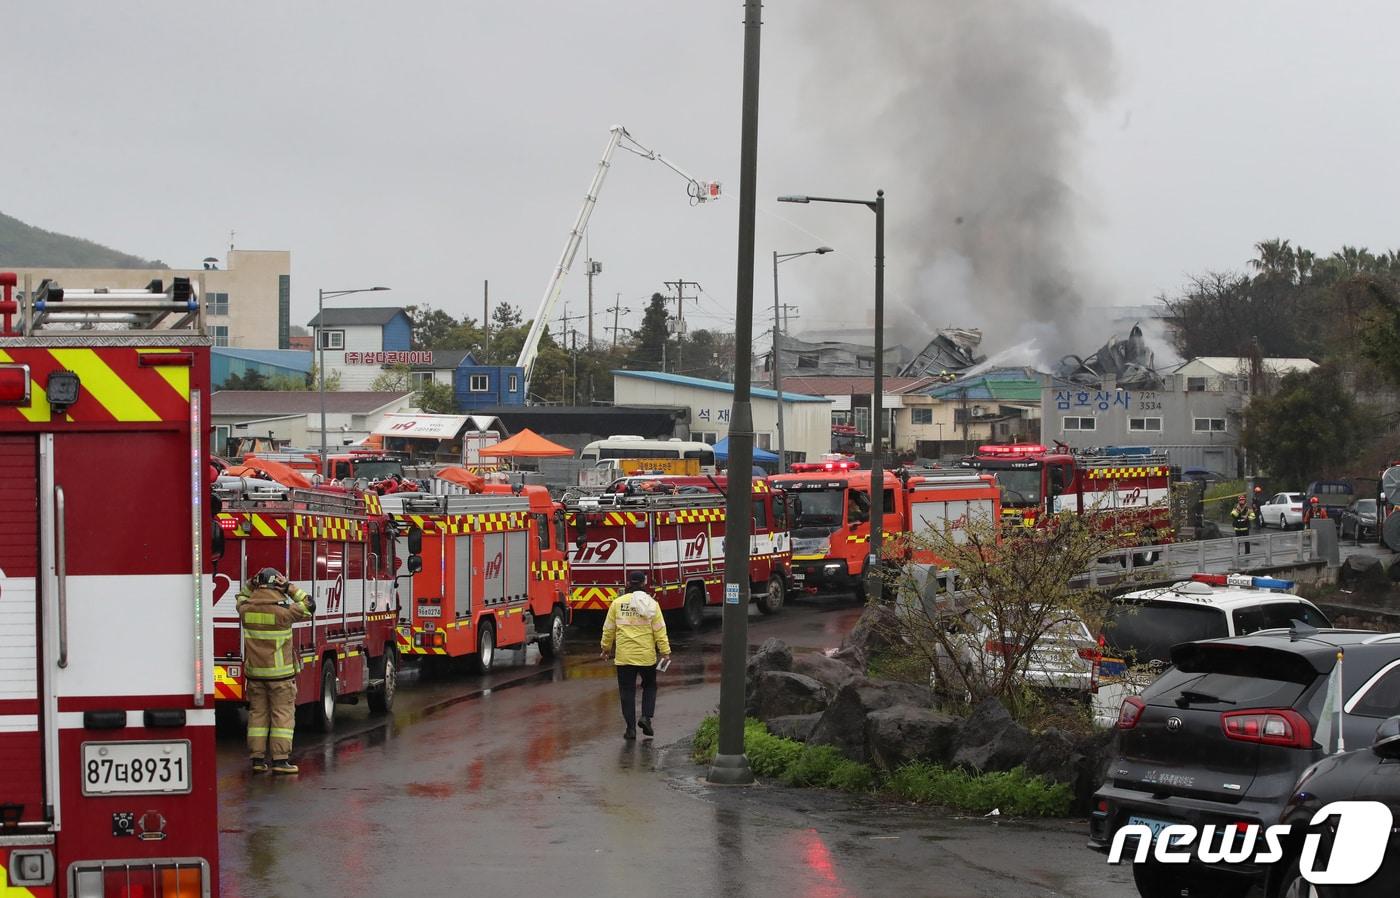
(899, 734)
(828, 671)
(1363, 573)
(779, 693)
(876, 630)
(794, 726)
(1077, 761)
(991, 740)
(774, 654)
(842, 725)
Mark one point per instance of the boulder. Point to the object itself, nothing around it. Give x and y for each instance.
(779, 693)
(899, 734)
(876, 630)
(794, 726)
(774, 654)
(842, 725)
(1077, 761)
(991, 740)
(825, 669)
(1363, 572)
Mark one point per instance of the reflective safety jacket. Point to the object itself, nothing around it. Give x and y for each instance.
(637, 629)
(267, 615)
(1242, 517)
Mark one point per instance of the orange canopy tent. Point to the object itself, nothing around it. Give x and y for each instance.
(272, 470)
(527, 444)
(462, 477)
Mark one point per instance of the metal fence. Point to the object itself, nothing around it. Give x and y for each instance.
(1217, 556)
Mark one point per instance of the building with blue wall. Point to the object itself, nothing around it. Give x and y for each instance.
(226, 362)
(487, 386)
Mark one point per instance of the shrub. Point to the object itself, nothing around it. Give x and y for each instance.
(706, 741)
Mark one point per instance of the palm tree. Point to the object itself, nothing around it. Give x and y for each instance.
(1276, 259)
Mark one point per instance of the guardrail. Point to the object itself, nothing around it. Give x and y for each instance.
(1215, 556)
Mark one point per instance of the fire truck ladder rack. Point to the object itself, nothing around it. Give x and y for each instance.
(425, 503)
(259, 498)
(52, 308)
(1123, 461)
(657, 501)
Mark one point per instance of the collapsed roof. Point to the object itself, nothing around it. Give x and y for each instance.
(951, 350)
(1125, 361)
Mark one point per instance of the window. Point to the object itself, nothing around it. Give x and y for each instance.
(1196, 384)
(1208, 425)
(514, 384)
(763, 440)
(222, 433)
(842, 417)
(1080, 424)
(921, 416)
(708, 436)
(332, 340)
(220, 334)
(863, 361)
(478, 383)
(417, 380)
(216, 303)
(1140, 425)
(542, 522)
(808, 360)
(760, 516)
(1382, 699)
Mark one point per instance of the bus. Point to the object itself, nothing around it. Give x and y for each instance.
(634, 447)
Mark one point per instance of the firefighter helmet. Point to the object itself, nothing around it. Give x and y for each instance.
(268, 576)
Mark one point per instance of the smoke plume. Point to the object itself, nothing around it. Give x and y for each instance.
(970, 114)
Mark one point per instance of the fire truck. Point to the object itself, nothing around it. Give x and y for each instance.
(1125, 491)
(770, 555)
(338, 546)
(107, 755)
(495, 573)
(678, 539)
(830, 515)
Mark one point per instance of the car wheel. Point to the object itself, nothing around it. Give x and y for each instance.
(693, 611)
(386, 670)
(323, 711)
(485, 658)
(772, 600)
(1283, 522)
(552, 644)
(1293, 885)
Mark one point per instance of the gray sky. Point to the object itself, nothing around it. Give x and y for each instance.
(430, 146)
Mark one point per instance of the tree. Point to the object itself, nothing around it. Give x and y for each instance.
(393, 379)
(1310, 426)
(313, 383)
(1379, 335)
(504, 316)
(249, 380)
(1013, 590)
(649, 345)
(436, 397)
(430, 326)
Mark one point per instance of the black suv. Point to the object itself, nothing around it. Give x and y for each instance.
(1222, 736)
(1370, 774)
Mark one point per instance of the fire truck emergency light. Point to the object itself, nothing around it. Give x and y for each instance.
(14, 384)
(1015, 449)
(62, 387)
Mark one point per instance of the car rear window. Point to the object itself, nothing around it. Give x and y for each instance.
(1234, 675)
(1142, 632)
(1332, 489)
(1276, 615)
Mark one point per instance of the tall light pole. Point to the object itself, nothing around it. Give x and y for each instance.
(321, 297)
(877, 473)
(731, 765)
(777, 348)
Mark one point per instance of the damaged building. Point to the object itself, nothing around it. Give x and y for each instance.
(951, 350)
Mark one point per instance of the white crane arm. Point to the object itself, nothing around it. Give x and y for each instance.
(699, 192)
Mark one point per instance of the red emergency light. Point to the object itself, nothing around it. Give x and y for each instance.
(818, 467)
(14, 384)
(1014, 450)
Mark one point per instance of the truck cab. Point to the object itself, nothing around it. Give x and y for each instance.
(830, 518)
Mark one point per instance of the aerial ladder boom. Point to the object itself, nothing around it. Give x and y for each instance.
(699, 191)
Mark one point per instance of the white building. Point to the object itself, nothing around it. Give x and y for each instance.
(294, 416)
(806, 419)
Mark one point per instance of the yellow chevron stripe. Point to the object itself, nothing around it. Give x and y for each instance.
(178, 376)
(261, 526)
(113, 393)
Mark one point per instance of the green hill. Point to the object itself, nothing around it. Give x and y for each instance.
(25, 246)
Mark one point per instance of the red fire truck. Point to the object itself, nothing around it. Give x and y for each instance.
(678, 539)
(1124, 491)
(495, 573)
(107, 756)
(338, 546)
(770, 553)
(830, 515)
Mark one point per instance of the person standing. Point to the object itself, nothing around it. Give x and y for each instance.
(635, 635)
(268, 606)
(1242, 517)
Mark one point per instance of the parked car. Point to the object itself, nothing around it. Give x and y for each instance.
(1142, 626)
(1063, 658)
(1371, 773)
(1336, 495)
(1358, 519)
(1203, 475)
(1283, 511)
(1222, 737)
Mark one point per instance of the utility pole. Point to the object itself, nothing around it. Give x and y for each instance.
(485, 307)
(573, 334)
(616, 309)
(593, 268)
(680, 284)
(786, 307)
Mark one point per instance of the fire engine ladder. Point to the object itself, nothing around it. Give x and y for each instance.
(284, 499)
(458, 504)
(52, 308)
(617, 501)
(1159, 459)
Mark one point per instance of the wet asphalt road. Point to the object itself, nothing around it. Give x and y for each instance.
(520, 783)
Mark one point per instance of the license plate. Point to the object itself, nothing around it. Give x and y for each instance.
(798, 575)
(1155, 825)
(136, 768)
(430, 611)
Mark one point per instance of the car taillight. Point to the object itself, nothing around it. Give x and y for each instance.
(1091, 653)
(1005, 649)
(1268, 727)
(1296, 508)
(1130, 712)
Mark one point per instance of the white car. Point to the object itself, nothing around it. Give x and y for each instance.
(1062, 658)
(1143, 626)
(1283, 511)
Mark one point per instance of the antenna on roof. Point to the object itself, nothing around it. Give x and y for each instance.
(1299, 630)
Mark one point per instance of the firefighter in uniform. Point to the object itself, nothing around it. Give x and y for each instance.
(1242, 517)
(635, 633)
(268, 605)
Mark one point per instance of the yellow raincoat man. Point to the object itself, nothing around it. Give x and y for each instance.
(635, 635)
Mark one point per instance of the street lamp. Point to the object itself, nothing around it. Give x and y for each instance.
(321, 297)
(877, 473)
(777, 349)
